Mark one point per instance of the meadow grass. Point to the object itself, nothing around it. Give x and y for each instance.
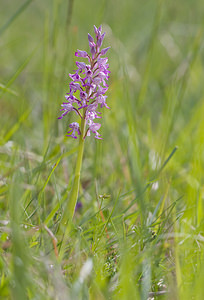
(140, 231)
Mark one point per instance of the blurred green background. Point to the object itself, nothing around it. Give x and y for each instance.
(146, 173)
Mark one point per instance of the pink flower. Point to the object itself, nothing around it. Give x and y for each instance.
(94, 127)
(87, 90)
(74, 128)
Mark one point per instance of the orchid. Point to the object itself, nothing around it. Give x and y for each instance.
(88, 86)
(86, 97)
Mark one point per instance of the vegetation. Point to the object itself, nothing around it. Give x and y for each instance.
(139, 231)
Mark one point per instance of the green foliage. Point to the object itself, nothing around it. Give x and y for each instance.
(140, 231)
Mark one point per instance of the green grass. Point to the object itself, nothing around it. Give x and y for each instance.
(140, 231)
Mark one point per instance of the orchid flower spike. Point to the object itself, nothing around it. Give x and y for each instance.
(88, 87)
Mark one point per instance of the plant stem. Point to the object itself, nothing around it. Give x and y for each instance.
(67, 217)
(70, 207)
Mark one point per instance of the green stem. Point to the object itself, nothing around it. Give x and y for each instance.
(67, 217)
(70, 207)
(65, 225)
